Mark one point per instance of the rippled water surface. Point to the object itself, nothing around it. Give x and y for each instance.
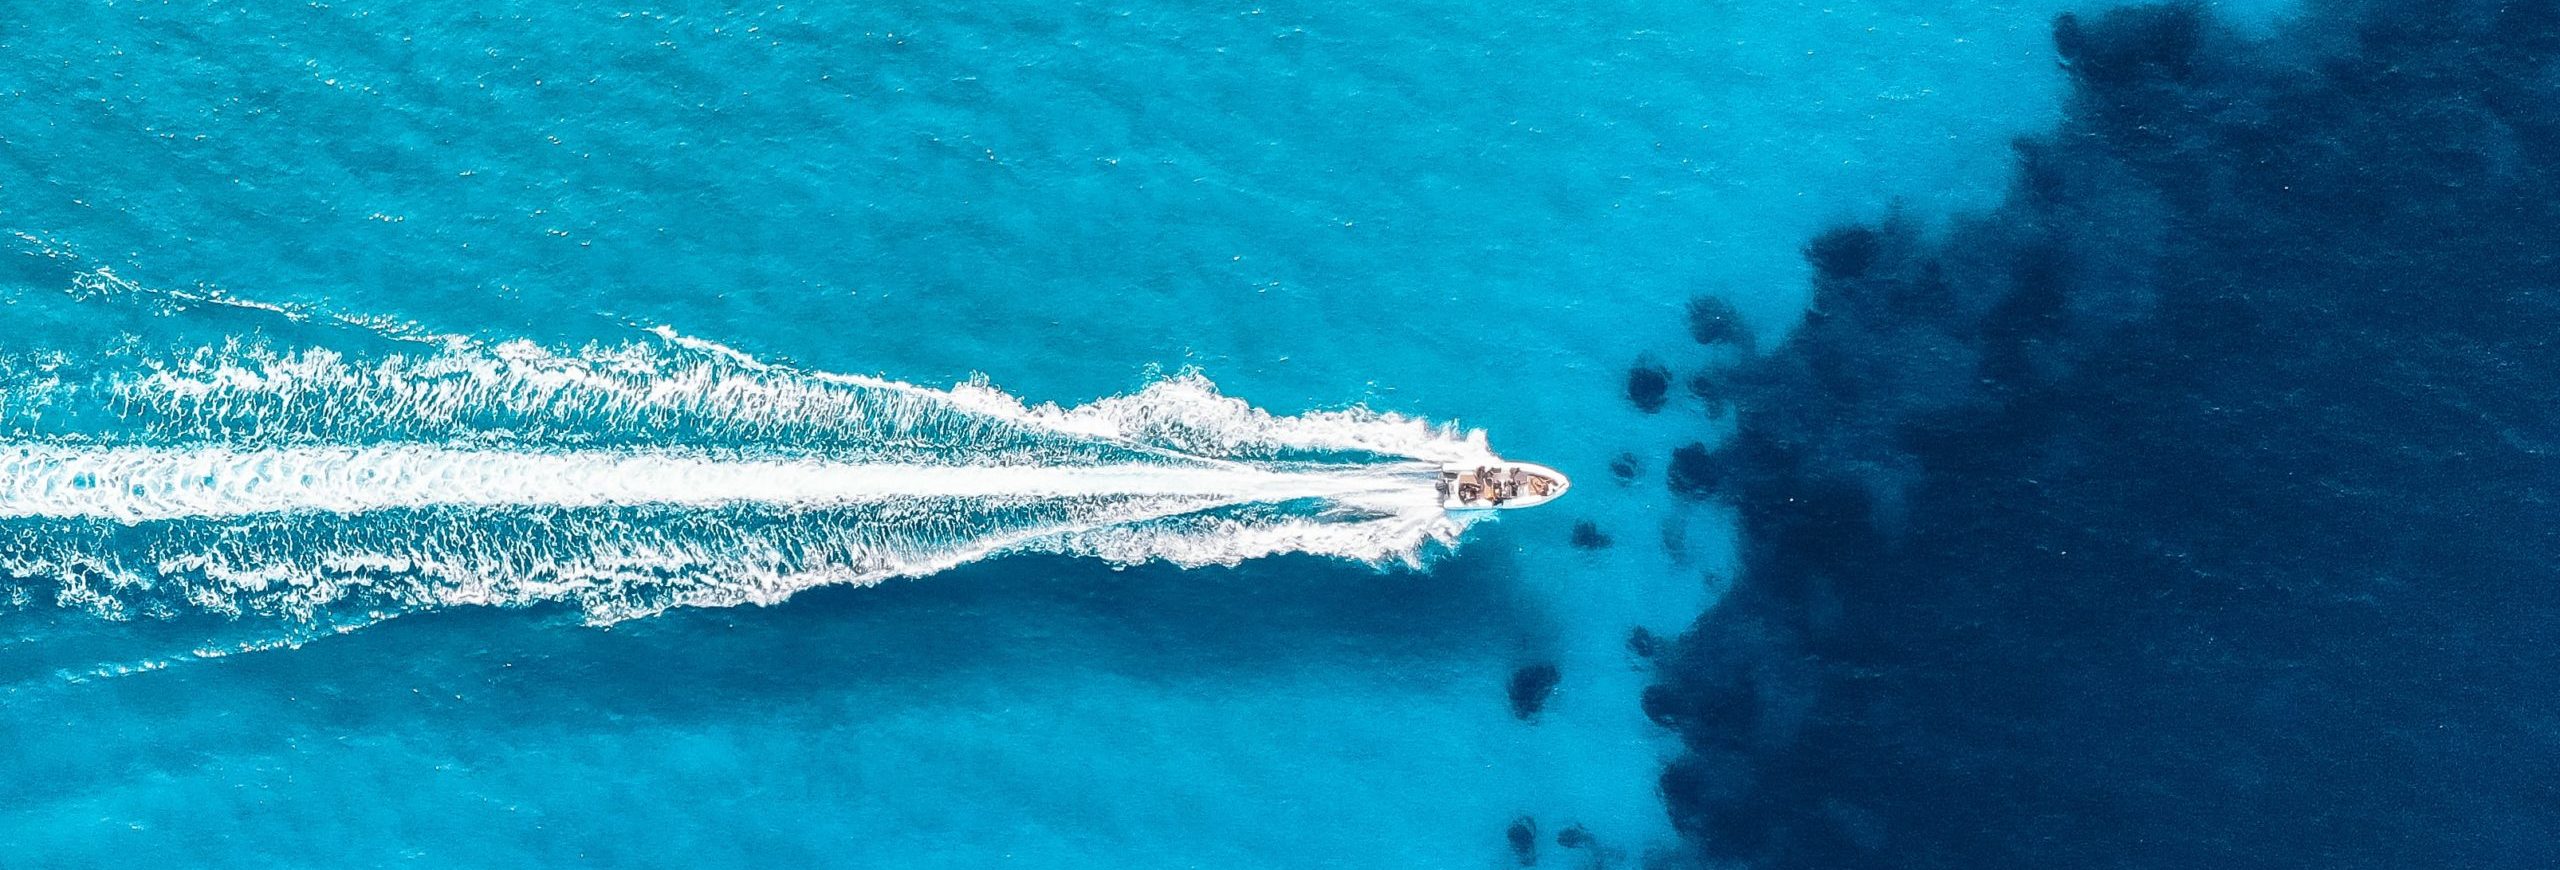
(894, 434)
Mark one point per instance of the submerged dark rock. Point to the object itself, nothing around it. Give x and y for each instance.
(1530, 686)
(1704, 387)
(1625, 467)
(1574, 837)
(1642, 643)
(1588, 536)
(1714, 323)
(1648, 384)
(1523, 835)
(2193, 508)
(1693, 471)
(1661, 705)
(1842, 253)
(1675, 539)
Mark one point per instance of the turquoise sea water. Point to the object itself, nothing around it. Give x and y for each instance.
(1447, 212)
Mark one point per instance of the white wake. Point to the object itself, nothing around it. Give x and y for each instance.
(325, 486)
(145, 484)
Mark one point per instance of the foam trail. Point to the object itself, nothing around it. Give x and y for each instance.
(332, 471)
(621, 562)
(141, 484)
(326, 488)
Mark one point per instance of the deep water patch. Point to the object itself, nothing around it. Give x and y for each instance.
(2192, 508)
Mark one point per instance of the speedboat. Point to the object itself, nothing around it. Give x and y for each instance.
(1499, 486)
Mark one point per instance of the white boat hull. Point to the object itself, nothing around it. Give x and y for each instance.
(1500, 486)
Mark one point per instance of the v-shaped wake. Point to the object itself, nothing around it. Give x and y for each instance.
(313, 483)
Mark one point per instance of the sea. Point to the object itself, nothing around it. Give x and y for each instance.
(902, 435)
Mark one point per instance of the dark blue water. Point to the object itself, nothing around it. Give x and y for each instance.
(2191, 508)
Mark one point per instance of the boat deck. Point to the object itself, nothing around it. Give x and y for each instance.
(1496, 486)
